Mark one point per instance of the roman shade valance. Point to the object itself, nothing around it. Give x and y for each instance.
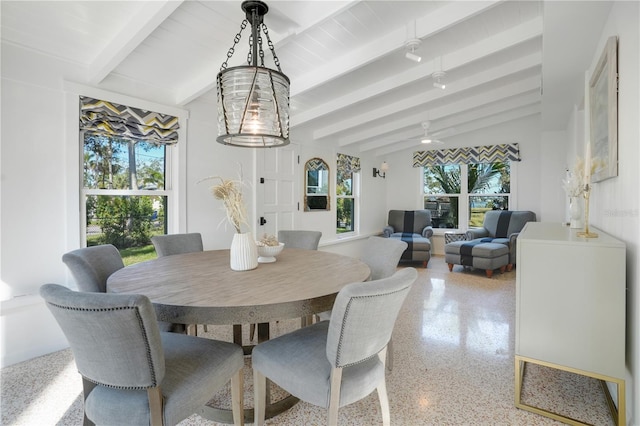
(467, 155)
(347, 164)
(123, 121)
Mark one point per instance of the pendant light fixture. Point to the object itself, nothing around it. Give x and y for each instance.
(253, 101)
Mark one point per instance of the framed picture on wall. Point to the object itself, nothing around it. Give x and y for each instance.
(603, 114)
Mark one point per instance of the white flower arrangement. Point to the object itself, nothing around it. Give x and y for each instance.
(574, 183)
(577, 180)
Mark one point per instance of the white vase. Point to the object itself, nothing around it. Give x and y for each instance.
(244, 252)
(575, 213)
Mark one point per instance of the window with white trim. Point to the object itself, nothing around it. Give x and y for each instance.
(487, 187)
(347, 193)
(461, 185)
(126, 185)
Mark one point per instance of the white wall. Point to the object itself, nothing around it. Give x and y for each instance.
(34, 207)
(553, 199)
(614, 204)
(205, 158)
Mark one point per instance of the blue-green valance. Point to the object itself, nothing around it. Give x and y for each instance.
(468, 155)
(112, 119)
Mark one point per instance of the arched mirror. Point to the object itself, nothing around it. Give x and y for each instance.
(316, 184)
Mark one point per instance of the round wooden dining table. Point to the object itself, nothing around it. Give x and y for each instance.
(201, 288)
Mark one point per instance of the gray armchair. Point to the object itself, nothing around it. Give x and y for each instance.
(335, 363)
(92, 266)
(414, 228)
(502, 226)
(167, 245)
(134, 374)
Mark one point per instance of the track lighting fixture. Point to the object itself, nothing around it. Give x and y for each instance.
(436, 79)
(411, 46)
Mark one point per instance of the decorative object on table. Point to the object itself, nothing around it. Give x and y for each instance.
(268, 248)
(244, 252)
(586, 193)
(573, 185)
(603, 112)
(590, 165)
(452, 236)
(253, 101)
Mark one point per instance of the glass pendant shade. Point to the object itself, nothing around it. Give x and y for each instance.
(253, 107)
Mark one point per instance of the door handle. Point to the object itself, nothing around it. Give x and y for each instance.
(262, 221)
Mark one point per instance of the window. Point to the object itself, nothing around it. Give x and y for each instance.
(442, 194)
(126, 186)
(461, 184)
(480, 187)
(347, 185)
(123, 190)
(489, 188)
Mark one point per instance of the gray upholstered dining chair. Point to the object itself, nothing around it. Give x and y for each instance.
(167, 245)
(382, 256)
(133, 373)
(335, 363)
(300, 239)
(170, 244)
(92, 266)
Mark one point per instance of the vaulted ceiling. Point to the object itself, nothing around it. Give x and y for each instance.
(351, 84)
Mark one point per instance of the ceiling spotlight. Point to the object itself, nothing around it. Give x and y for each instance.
(436, 79)
(411, 46)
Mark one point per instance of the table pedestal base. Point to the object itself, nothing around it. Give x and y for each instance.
(226, 416)
(223, 415)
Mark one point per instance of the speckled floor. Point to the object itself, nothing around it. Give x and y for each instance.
(453, 365)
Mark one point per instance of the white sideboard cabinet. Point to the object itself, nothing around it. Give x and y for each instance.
(570, 308)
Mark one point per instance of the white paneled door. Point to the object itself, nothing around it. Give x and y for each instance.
(277, 195)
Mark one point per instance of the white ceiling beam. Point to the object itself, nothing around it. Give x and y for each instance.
(475, 101)
(480, 124)
(409, 104)
(143, 23)
(457, 59)
(426, 26)
(453, 121)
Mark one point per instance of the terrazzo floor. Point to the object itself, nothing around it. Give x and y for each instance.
(453, 365)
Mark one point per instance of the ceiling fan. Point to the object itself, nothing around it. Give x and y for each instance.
(432, 138)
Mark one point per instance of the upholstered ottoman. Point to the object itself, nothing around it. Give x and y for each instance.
(477, 254)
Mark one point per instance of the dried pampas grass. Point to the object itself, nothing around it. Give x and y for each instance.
(230, 192)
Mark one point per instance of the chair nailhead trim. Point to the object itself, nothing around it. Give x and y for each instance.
(342, 326)
(144, 336)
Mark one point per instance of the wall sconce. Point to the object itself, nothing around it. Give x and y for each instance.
(384, 167)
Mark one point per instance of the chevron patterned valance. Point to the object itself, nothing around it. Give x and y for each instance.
(470, 155)
(134, 123)
(348, 164)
